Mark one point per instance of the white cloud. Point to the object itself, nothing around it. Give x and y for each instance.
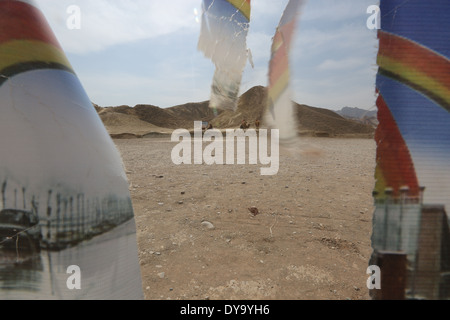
(131, 89)
(344, 64)
(348, 37)
(335, 89)
(335, 10)
(268, 8)
(259, 43)
(107, 23)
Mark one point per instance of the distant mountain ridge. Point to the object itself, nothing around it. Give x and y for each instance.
(369, 117)
(142, 120)
(356, 113)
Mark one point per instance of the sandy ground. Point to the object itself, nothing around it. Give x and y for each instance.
(198, 240)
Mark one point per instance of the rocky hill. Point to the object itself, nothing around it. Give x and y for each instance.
(193, 111)
(251, 106)
(143, 120)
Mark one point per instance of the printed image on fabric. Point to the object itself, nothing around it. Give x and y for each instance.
(413, 143)
(67, 228)
(222, 39)
(280, 112)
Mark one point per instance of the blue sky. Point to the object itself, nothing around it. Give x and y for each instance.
(129, 52)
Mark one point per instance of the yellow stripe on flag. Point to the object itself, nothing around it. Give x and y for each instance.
(415, 77)
(22, 51)
(243, 6)
(277, 88)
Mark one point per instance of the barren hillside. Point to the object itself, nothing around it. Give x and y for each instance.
(125, 121)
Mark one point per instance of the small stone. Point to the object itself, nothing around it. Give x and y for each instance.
(208, 225)
(254, 211)
(161, 275)
(180, 202)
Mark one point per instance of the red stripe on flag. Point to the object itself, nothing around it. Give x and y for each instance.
(415, 56)
(22, 21)
(393, 157)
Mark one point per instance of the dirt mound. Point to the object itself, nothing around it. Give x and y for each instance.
(193, 111)
(144, 118)
(97, 107)
(125, 136)
(119, 123)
